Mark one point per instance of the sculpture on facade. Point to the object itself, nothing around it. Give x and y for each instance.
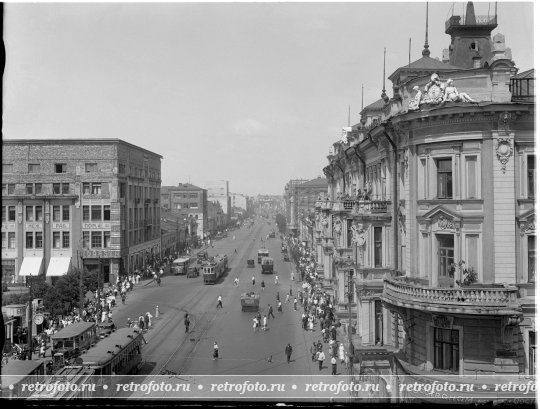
(358, 234)
(434, 91)
(337, 226)
(451, 93)
(414, 103)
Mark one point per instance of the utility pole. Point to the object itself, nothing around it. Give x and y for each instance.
(30, 319)
(81, 296)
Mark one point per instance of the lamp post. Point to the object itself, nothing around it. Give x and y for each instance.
(30, 318)
(351, 346)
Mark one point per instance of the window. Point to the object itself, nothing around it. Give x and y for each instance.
(29, 240)
(193, 205)
(65, 213)
(11, 188)
(7, 168)
(531, 176)
(107, 239)
(90, 167)
(193, 195)
(377, 239)
(11, 213)
(65, 239)
(39, 213)
(446, 349)
(4, 240)
(96, 188)
(96, 239)
(39, 240)
(37, 188)
(122, 190)
(29, 213)
(107, 212)
(446, 255)
(65, 188)
(121, 168)
(56, 239)
(531, 257)
(33, 168)
(56, 214)
(86, 213)
(96, 213)
(4, 214)
(11, 240)
(86, 188)
(86, 239)
(444, 178)
(29, 189)
(56, 188)
(60, 168)
(470, 165)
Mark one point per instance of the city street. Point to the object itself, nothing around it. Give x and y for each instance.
(241, 349)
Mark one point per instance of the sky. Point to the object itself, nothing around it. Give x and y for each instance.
(252, 93)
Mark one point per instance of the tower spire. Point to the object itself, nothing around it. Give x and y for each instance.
(425, 51)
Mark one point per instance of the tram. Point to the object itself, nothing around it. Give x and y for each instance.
(17, 373)
(213, 270)
(68, 383)
(262, 253)
(267, 265)
(70, 341)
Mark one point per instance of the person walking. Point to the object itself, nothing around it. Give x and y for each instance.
(288, 352)
(287, 298)
(255, 324)
(320, 358)
(253, 280)
(295, 301)
(216, 351)
(262, 285)
(270, 311)
(342, 353)
(279, 307)
(146, 322)
(277, 280)
(236, 281)
(277, 298)
(186, 323)
(219, 304)
(265, 324)
(333, 361)
(124, 298)
(313, 351)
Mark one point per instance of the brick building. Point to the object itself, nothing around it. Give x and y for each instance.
(78, 202)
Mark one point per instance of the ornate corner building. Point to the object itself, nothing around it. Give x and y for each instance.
(431, 206)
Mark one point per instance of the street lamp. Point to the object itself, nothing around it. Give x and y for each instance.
(351, 346)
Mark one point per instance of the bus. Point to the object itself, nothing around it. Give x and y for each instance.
(267, 265)
(262, 253)
(180, 265)
(213, 270)
(202, 256)
(71, 340)
(16, 373)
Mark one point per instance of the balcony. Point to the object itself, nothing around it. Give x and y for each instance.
(476, 299)
(137, 200)
(147, 201)
(459, 21)
(359, 207)
(522, 89)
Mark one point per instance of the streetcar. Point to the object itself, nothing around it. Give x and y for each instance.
(180, 265)
(16, 373)
(262, 253)
(70, 341)
(213, 270)
(267, 265)
(68, 383)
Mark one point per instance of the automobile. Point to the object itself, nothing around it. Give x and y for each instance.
(193, 271)
(251, 263)
(250, 301)
(106, 329)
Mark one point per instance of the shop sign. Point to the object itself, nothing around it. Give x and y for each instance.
(100, 226)
(101, 254)
(33, 226)
(60, 226)
(8, 226)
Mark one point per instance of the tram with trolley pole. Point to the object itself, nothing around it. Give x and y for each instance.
(213, 270)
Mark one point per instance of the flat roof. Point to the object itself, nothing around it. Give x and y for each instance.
(76, 140)
(12, 371)
(99, 354)
(72, 330)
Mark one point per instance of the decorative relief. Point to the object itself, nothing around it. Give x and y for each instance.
(446, 223)
(504, 121)
(358, 235)
(325, 221)
(504, 151)
(337, 226)
(527, 227)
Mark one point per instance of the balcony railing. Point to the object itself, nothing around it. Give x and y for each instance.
(479, 21)
(481, 299)
(355, 206)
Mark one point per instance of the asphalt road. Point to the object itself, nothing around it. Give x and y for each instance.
(242, 351)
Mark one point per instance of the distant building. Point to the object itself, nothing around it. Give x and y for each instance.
(189, 201)
(218, 190)
(300, 198)
(91, 203)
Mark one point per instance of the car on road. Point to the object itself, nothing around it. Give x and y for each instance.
(250, 301)
(251, 263)
(193, 271)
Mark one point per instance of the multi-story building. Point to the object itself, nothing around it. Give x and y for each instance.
(431, 210)
(218, 190)
(301, 197)
(188, 201)
(85, 203)
(216, 217)
(174, 233)
(288, 195)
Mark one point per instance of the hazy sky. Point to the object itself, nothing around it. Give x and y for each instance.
(254, 93)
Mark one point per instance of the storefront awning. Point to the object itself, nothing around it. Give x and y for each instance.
(30, 266)
(58, 266)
